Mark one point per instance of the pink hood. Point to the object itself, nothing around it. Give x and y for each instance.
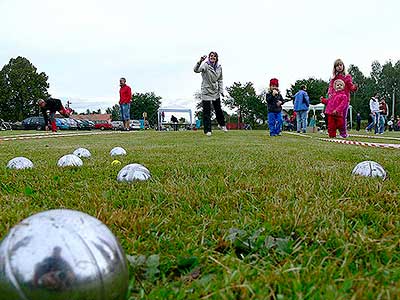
(337, 103)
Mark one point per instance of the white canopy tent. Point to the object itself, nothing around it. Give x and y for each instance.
(317, 107)
(174, 110)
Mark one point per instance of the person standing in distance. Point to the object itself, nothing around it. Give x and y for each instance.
(125, 99)
(301, 104)
(274, 102)
(375, 113)
(211, 89)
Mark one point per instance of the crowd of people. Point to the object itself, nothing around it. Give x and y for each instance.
(336, 103)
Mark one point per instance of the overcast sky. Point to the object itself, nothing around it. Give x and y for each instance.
(85, 46)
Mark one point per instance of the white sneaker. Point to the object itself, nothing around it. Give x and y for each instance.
(208, 134)
(223, 128)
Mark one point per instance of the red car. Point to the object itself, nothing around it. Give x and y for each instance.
(102, 125)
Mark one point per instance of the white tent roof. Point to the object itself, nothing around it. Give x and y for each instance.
(288, 105)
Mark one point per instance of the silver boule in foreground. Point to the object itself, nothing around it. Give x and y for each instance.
(62, 254)
(117, 151)
(70, 160)
(82, 153)
(369, 169)
(20, 163)
(133, 172)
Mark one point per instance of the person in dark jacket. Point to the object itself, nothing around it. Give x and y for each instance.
(358, 121)
(174, 121)
(274, 102)
(52, 105)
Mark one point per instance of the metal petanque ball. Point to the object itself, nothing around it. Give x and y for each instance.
(117, 151)
(62, 255)
(133, 172)
(70, 160)
(20, 163)
(369, 169)
(82, 153)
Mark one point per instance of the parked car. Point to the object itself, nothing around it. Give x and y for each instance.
(90, 123)
(85, 125)
(61, 124)
(17, 125)
(33, 123)
(72, 123)
(117, 125)
(134, 125)
(103, 125)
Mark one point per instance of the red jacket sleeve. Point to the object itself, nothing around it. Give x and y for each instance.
(129, 94)
(331, 90)
(348, 80)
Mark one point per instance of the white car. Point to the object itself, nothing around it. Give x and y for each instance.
(117, 125)
(134, 125)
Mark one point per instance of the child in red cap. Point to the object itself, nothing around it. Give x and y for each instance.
(274, 101)
(335, 107)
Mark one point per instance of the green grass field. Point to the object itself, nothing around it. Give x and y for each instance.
(235, 216)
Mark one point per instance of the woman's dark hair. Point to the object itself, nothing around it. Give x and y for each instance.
(216, 55)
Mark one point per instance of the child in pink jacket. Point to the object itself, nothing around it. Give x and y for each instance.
(335, 108)
(339, 72)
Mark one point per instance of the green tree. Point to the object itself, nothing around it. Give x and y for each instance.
(315, 89)
(20, 88)
(249, 105)
(384, 79)
(147, 102)
(366, 88)
(114, 112)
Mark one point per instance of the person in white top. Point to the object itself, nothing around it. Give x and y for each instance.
(374, 107)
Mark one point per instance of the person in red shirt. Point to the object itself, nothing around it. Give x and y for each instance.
(125, 99)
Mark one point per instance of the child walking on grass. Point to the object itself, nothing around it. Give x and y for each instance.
(335, 108)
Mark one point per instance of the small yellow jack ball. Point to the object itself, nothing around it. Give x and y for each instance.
(115, 163)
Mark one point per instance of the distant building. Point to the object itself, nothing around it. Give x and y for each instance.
(96, 118)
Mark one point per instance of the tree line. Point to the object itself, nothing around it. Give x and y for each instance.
(21, 85)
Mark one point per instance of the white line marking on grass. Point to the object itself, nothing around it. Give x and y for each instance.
(347, 142)
(367, 144)
(298, 134)
(56, 135)
(375, 137)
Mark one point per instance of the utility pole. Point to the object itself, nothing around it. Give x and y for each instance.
(393, 99)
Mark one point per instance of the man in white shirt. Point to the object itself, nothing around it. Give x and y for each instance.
(374, 107)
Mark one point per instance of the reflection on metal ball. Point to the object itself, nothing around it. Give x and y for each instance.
(82, 153)
(117, 151)
(369, 169)
(20, 163)
(59, 255)
(70, 160)
(133, 172)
